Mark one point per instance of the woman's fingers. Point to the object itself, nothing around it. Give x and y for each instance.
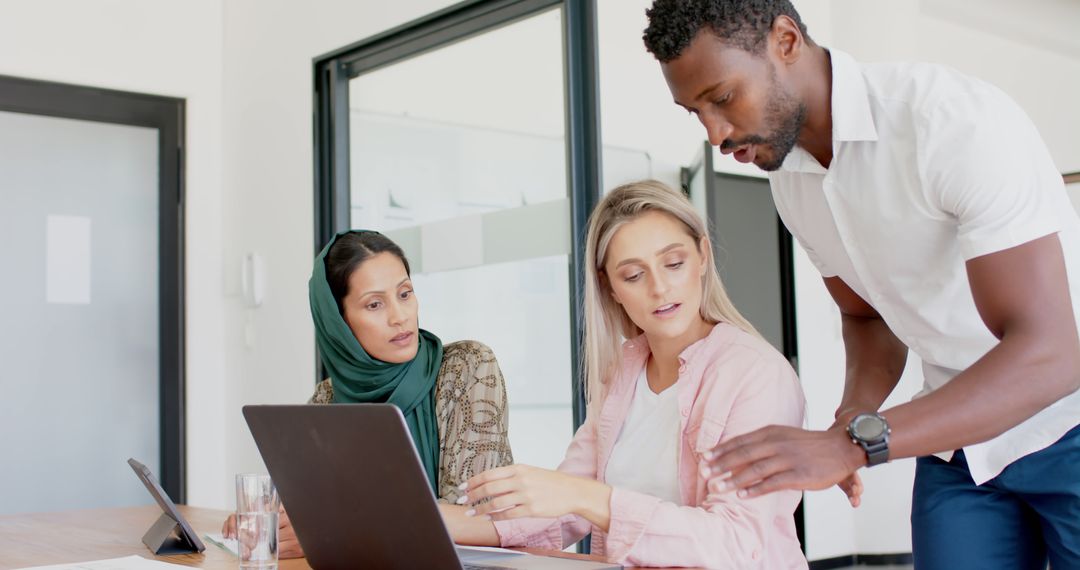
(487, 490)
(289, 548)
(228, 530)
(288, 545)
(498, 504)
(489, 476)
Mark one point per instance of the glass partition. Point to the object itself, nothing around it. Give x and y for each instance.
(459, 155)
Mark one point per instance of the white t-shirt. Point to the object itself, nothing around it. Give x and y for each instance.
(645, 457)
(930, 168)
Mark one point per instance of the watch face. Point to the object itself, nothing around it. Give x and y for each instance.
(868, 428)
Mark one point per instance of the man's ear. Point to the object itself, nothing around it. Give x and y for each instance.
(786, 40)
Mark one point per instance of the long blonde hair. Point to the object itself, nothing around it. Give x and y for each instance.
(606, 323)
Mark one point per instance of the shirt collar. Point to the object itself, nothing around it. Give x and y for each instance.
(852, 119)
(637, 350)
(798, 160)
(851, 116)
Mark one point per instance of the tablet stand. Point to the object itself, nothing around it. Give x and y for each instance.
(166, 536)
(170, 534)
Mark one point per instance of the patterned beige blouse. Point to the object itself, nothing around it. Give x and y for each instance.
(472, 414)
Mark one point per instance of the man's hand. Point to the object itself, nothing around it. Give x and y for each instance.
(777, 458)
(852, 486)
(288, 545)
(517, 491)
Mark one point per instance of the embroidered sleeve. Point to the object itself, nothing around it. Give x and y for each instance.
(324, 393)
(472, 413)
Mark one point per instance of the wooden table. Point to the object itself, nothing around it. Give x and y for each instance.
(41, 539)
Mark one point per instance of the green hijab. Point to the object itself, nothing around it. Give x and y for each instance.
(359, 378)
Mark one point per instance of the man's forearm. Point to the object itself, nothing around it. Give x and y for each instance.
(1022, 375)
(875, 362)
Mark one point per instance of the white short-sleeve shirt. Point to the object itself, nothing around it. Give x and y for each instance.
(930, 168)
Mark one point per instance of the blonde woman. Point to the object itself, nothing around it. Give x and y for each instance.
(692, 373)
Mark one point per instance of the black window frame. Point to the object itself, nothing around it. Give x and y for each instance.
(167, 115)
(333, 70)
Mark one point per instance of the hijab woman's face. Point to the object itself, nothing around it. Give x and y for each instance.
(381, 309)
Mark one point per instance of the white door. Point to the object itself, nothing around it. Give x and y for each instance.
(79, 350)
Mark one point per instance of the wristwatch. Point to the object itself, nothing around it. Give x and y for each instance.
(871, 432)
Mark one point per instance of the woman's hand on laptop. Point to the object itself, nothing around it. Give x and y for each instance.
(475, 531)
(288, 545)
(517, 491)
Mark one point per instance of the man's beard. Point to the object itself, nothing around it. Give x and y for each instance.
(786, 115)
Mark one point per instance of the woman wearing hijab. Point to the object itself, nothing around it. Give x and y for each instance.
(366, 326)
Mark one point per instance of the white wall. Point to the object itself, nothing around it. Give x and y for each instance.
(268, 51)
(987, 39)
(162, 48)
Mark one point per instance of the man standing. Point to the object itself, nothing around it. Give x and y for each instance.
(932, 209)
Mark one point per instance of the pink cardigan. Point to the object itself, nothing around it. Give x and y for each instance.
(730, 383)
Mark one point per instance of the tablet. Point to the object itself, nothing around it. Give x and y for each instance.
(171, 534)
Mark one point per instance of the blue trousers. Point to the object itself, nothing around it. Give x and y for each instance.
(1023, 518)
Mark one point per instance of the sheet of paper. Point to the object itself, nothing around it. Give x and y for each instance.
(220, 541)
(477, 553)
(489, 549)
(126, 563)
(67, 260)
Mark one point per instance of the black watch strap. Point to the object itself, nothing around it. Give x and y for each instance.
(877, 452)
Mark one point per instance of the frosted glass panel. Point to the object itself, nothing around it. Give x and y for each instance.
(79, 333)
(459, 155)
(408, 170)
(519, 310)
(540, 435)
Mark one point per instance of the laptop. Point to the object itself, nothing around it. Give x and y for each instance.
(357, 494)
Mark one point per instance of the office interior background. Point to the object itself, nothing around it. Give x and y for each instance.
(459, 153)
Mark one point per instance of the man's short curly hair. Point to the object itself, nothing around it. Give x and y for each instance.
(744, 24)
